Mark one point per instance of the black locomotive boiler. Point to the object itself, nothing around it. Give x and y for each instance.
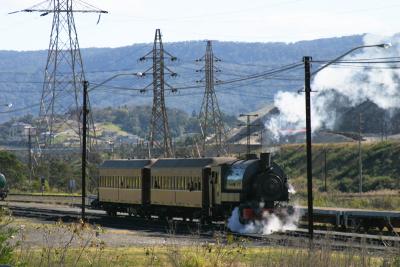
(204, 188)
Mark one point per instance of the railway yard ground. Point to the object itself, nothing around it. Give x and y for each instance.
(124, 241)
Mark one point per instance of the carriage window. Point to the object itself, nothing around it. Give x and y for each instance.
(214, 175)
(234, 177)
(157, 182)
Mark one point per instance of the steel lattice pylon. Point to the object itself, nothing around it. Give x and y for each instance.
(159, 135)
(212, 126)
(61, 99)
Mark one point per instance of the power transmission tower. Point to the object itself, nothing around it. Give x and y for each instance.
(159, 136)
(64, 72)
(210, 117)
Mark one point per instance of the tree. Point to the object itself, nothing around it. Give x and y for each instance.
(14, 170)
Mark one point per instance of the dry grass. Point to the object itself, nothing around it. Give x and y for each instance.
(80, 245)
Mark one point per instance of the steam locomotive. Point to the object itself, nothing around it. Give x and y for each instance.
(205, 188)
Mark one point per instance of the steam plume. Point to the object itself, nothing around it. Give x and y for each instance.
(269, 222)
(353, 85)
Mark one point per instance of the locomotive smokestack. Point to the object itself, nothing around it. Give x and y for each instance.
(251, 156)
(265, 160)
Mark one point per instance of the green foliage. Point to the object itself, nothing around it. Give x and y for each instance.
(6, 234)
(136, 120)
(381, 165)
(14, 170)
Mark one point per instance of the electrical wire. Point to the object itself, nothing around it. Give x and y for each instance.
(20, 109)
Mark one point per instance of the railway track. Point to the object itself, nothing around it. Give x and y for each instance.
(356, 220)
(297, 238)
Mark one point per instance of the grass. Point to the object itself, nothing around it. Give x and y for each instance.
(81, 245)
(377, 200)
(208, 255)
(381, 174)
(388, 202)
(111, 128)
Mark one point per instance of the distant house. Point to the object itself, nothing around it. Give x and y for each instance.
(128, 139)
(108, 134)
(19, 131)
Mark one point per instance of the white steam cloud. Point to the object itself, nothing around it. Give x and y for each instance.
(378, 84)
(269, 223)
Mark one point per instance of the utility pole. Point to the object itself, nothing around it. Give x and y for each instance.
(307, 85)
(160, 136)
(261, 136)
(248, 128)
(64, 72)
(325, 169)
(84, 129)
(360, 167)
(30, 155)
(210, 117)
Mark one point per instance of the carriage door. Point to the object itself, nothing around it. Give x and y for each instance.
(146, 185)
(206, 194)
(215, 199)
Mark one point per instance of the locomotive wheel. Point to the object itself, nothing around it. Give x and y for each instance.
(111, 213)
(205, 220)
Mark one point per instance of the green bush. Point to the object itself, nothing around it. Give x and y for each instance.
(6, 234)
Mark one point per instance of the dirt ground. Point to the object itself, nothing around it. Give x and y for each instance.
(35, 232)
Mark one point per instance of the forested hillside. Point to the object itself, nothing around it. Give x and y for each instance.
(381, 165)
(21, 73)
(136, 120)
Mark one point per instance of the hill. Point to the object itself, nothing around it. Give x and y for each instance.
(21, 73)
(125, 124)
(381, 161)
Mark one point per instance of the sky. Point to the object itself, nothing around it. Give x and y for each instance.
(134, 21)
